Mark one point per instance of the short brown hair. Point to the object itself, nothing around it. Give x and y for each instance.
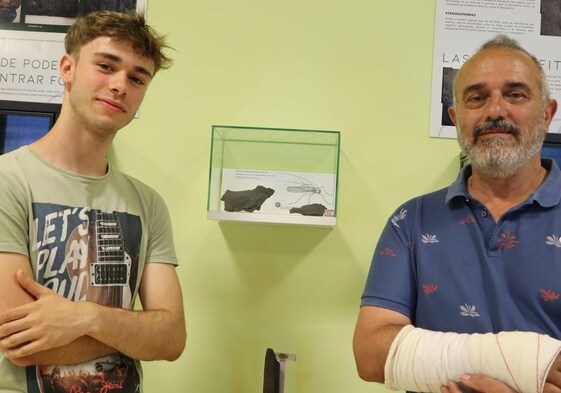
(129, 27)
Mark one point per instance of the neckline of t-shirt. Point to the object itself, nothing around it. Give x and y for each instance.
(68, 173)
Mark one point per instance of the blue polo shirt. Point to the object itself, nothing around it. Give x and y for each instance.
(443, 262)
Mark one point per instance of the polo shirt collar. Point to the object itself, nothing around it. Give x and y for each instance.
(547, 195)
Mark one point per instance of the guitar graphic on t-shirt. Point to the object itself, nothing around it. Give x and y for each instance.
(100, 270)
(110, 267)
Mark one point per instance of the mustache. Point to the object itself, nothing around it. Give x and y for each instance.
(499, 124)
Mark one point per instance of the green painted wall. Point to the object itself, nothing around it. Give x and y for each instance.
(362, 67)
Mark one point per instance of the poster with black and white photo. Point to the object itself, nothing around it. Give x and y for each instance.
(462, 26)
(32, 43)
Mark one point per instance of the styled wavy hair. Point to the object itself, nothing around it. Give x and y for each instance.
(130, 27)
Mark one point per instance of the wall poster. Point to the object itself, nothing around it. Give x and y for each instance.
(32, 43)
(461, 26)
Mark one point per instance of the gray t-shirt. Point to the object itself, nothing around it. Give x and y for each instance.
(87, 239)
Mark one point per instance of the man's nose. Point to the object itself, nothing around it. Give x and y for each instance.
(496, 106)
(118, 83)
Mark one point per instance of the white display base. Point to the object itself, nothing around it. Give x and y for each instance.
(260, 218)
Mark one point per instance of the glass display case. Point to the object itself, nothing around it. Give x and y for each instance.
(273, 175)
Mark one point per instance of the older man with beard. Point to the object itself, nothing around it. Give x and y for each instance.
(464, 290)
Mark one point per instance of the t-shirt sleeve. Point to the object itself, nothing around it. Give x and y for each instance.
(14, 214)
(161, 246)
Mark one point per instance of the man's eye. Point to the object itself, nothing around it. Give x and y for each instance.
(137, 81)
(475, 100)
(105, 67)
(516, 95)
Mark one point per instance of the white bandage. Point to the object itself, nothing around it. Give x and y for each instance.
(423, 360)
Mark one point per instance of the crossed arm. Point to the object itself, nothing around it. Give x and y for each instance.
(37, 326)
(377, 328)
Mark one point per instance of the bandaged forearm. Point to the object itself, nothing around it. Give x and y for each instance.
(422, 360)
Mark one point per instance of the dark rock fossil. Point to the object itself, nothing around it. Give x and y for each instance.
(315, 209)
(246, 200)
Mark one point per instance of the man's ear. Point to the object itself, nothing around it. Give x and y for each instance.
(66, 68)
(549, 112)
(452, 114)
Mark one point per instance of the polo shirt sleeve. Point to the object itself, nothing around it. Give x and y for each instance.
(391, 281)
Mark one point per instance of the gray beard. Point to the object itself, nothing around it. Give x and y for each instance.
(499, 158)
(499, 161)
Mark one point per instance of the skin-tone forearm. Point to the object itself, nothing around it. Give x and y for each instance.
(13, 296)
(370, 359)
(375, 331)
(48, 330)
(129, 328)
(78, 350)
(81, 350)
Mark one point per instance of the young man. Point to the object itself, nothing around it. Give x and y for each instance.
(79, 239)
(464, 284)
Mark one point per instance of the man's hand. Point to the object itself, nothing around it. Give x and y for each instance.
(473, 383)
(478, 383)
(553, 379)
(50, 321)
